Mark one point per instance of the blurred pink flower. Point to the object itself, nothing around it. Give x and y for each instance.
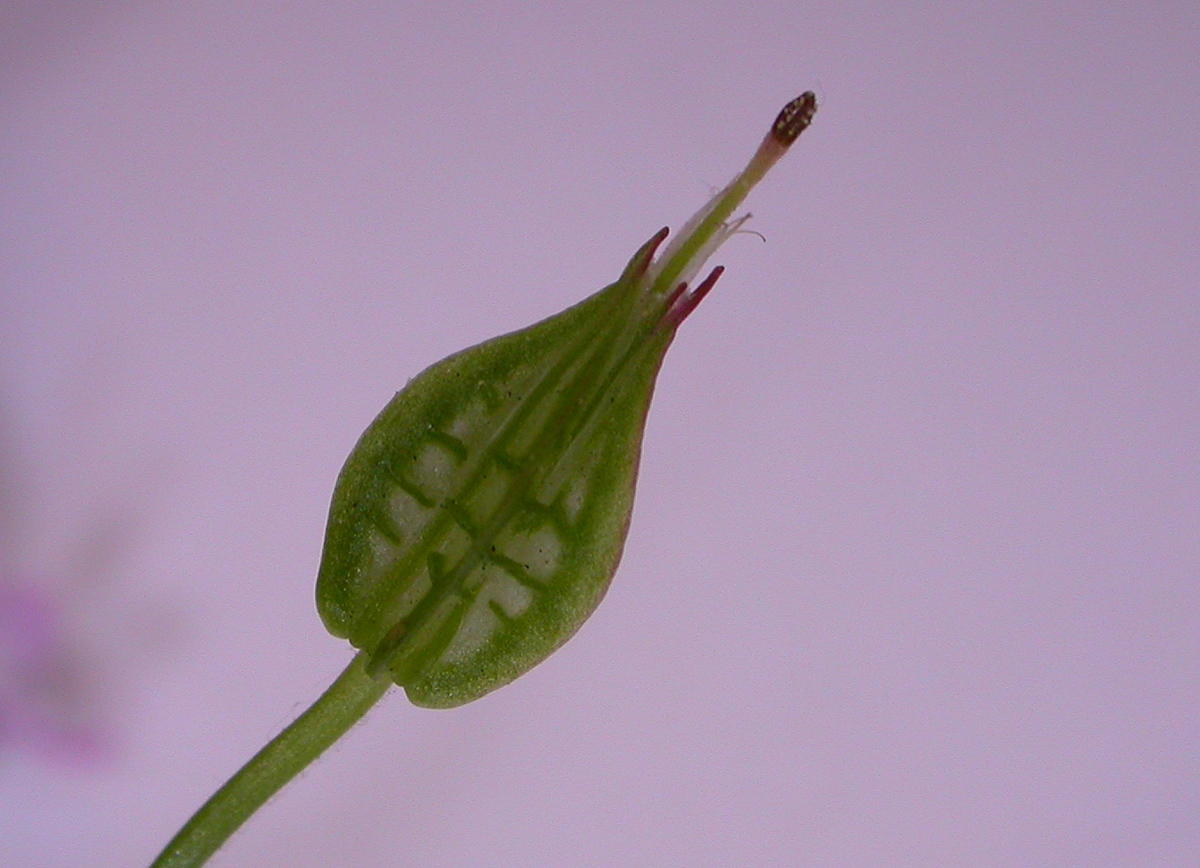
(45, 697)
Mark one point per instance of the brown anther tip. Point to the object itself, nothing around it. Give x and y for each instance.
(795, 118)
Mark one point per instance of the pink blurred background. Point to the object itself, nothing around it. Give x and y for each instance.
(913, 574)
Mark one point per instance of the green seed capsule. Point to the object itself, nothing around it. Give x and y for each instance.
(480, 518)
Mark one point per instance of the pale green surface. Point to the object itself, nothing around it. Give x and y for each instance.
(479, 520)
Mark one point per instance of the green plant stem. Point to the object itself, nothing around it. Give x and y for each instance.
(325, 721)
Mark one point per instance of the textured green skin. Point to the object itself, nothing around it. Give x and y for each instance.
(549, 415)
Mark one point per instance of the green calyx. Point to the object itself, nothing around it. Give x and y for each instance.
(480, 518)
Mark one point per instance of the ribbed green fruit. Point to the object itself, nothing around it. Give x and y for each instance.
(479, 520)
